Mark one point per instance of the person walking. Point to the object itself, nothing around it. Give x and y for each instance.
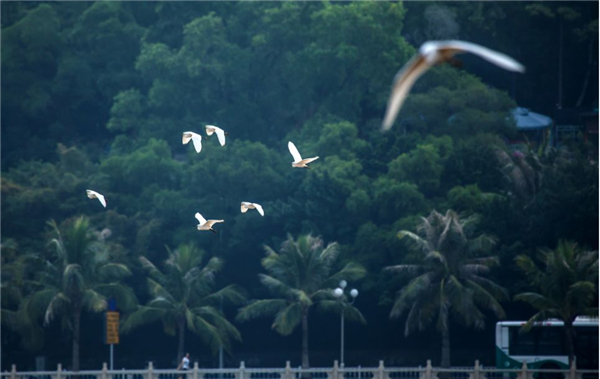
(184, 365)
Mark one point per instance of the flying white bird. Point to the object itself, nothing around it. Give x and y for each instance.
(298, 161)
(196, 139)
(95, 195)
(206, 224)
(210, 129)
(432, 53)
(246, 205)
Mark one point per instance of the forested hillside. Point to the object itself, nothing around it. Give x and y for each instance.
(96, 95)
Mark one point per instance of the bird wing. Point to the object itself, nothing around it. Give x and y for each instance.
(499, 59)
(197, 140)
(102, 200)
(210, 129)
(294, 152)
(186, 137)
(95, 195)
(210, 223)
(244, 207)
(308, 160)
(220, 136)
(200, 219)
(403, 82)
(259, 209)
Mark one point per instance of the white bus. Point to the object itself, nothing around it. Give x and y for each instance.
(544, 345)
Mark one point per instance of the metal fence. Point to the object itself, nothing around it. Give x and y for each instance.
(335, 372)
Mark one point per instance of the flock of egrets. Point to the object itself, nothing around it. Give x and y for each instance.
(430, 53)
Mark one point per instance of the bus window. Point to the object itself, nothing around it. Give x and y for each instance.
(521, 343)
(542, 341)
(586, 345)
(551, 341)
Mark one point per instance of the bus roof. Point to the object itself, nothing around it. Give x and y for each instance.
(579, 321)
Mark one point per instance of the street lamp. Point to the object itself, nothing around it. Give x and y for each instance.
(338, 293)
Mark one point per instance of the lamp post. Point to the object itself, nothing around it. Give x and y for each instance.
(339, 294)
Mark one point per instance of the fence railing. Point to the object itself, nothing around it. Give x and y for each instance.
(335, 372)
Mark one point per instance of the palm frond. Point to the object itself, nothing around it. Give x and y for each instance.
(481, 243)
(436, 258)
(530, 269)
(260, 308)
(276, 286)
(538, 317)
(419, 316)
(330, 253)
(536, 300)
(123, 295)
(410, 270)
(490, 261)
(58, 305)
(351, 313)
(143, 315)
(212, 267)
(230, 295)
(411, 291)
(487, 299)
(330, 306)
(474, 269)
(417, 242)
(73, 281)
(93, 301)
(151, 269)
(351, 272)
(157, 290)
(28, 327)
(36, 304)
(499, 292)
(208, 333)
(581, 292)
(302, 297)
(224, 327)
(287, 319)
(113, 271)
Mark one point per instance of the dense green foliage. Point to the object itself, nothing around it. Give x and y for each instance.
(97, 94)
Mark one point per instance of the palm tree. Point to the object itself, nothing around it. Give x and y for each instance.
(448, 279)
(80, 278)
(300, 277)
(566, 282)
(17, 283)
(183, 297)
(522, 172)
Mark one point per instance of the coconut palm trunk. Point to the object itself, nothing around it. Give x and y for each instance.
(181, 328)
(570, 334)
(445, 348)
(305, 363)
(76, 334)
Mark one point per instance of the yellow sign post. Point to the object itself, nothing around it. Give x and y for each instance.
(111, 331)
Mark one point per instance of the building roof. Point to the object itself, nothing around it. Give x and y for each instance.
(527, 120)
